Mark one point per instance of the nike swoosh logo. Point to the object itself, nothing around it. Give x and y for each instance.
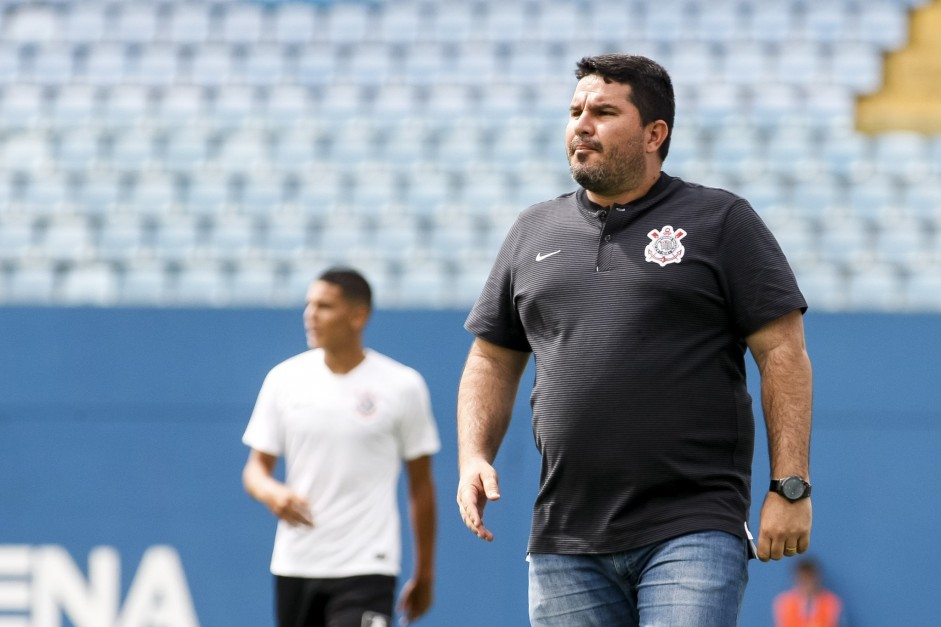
(540, 256)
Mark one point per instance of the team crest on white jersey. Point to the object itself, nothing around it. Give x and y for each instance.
(665, 246)
(365, 403)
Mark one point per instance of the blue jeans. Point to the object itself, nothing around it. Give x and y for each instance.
(694, 580)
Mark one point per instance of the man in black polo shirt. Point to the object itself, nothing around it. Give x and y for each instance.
(638, 294)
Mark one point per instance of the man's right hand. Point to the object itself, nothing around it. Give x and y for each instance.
(289, 506)
(478, 484)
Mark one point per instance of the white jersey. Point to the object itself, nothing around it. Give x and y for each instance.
(343, 438)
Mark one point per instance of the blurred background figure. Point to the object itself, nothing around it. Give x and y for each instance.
(808, 603)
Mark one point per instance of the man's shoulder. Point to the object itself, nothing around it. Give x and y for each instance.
(706, 193)
(539, 209)
(390, 367)
(302, 361)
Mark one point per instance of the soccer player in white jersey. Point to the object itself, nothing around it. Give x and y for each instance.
(344, 417)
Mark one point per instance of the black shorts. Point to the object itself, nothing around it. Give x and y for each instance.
(361, 601)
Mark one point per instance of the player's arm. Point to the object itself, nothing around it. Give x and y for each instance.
(260, 483)
(484, 406)
(786, 397)
(418, 592)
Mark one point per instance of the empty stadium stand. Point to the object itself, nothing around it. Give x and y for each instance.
(221, 152)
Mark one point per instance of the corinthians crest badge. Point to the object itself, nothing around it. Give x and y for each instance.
(665, 246)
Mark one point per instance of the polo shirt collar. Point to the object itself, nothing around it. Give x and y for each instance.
(594, 209)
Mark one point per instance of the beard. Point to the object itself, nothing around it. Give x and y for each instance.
(617, 170)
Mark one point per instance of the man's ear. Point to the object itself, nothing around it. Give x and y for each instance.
(359, 315)
(657, 133)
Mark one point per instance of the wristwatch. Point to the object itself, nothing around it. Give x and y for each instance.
(792, 488)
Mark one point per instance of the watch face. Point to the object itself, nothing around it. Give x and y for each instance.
(793, 488)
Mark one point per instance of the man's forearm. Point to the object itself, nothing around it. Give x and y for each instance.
(787, 395)
(485, 399)
(424, 528)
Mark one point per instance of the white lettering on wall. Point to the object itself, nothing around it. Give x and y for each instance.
(41, 585)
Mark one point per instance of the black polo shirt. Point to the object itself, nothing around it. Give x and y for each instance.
(637, 317)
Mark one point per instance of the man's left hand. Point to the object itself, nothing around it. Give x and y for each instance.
(415, 600)
(785, 527)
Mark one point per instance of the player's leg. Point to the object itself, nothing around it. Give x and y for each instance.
(362, 601)
(578, 591)
(299, 602)
(695, 579)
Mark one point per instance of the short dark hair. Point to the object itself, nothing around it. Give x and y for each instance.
(354, 285)
(651, 87)
(808, 566)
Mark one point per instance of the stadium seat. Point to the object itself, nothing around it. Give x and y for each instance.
(105, 65)
(208, 194)
(65, 238)
(17, 234)
(242, 151)
(199, 283)
(293, 23)
(824, 288)
(370, 64)
(875, 289)
(175, 239)
(242, 24)
(456, 22)
(21, 107)
(403, 23)
(285, 236)
(923, 202)
(233, 238)
(346, 23)
(507, 22)
(32, 283)
(902, 155)
(609, 20)
(694, 63)
(857, 66)
(153, 194)
(136, 23)
(120, 238)
(720, 21)
(883, 24)
(827, 22)
(132, 151)
(123, 107)
(78, 150)
(73, 106)
(212, 65)
(143, 283)
(424, 284)
(666, 21)
(85, 23)
(93, 283)
(32, 24)
(558, 22)
(155, 66)
(185, 151)
(99, 194)
(263, 66)
(922, 290)
(801, 63)
(52, 66)
(261, 194)
(189, 23)
(774, 22)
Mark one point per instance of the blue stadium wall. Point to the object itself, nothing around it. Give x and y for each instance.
(121, 428)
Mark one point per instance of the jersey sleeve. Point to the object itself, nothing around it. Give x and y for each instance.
(417, 432)
(494, 317)
(757, 277)
(263, 432)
